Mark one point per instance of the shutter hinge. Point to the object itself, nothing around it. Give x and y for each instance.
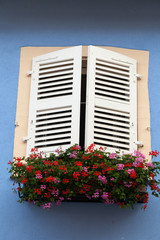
(24, 139)
(29, 73)
(140, 143)
(139, 76)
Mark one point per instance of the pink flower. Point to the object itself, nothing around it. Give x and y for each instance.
(58, 150)
(55, 193)
(85, 169)
(39, 176)
(95, 195)
(102, 179)
(120, 167)
(73, 155)
(138, 154)
(130, 170)
(47, 205)
(87, 196)
(112, 155)
(56, 180)
(104, 195)
(149, 165)
(127, 185)
(109, 201)
(58, 203)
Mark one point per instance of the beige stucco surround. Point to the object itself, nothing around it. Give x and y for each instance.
(27, 53)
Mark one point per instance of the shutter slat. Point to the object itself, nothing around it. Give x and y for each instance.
(100, 72)
(55, 74)
(54, 115)
(56, 110)
(58, 125)
(111, 131)
(65, 134)
(106, 88)
(113, 64)
(65, 62)
(55, 70)
(114, 128)
(107, 69)
(55, 131)
(55, 79)
(50, 142)
(111, 116)
(114, 138)
(114, 144)
(112, 84)
(114, 80)
(55, 88)
(52, 84)
(49, 121)
(104, 121)
(112, 111)
(104, 93)
(57, 93)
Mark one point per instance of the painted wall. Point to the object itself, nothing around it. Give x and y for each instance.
(66, 23)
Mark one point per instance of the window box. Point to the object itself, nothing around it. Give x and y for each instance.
(92, 175)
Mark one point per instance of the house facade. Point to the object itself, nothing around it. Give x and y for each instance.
(118, 24)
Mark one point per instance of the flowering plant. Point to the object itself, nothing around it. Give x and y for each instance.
(94, 174)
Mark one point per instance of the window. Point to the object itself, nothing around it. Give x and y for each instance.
(82, 93)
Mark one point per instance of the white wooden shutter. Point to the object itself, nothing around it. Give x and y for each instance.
(54, 111)
(111, 103)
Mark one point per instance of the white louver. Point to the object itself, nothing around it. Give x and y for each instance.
(111, 104)
(54, 112)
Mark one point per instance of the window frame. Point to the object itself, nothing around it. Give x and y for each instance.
(27, 53)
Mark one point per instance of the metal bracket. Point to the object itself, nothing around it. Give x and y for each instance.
(29, 73)
(24, 139)
(138, 76)
(16, 124)
(140, 143)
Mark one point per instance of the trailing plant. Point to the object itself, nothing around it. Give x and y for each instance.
(93, 174)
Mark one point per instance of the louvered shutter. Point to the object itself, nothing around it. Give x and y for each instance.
(111, 103)
(54, 111)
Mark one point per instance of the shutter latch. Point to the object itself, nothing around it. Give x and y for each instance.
(138, 76)
(24, 139)
(29, 73)
(139, 143)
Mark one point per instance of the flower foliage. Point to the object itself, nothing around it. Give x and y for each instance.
(94, 174)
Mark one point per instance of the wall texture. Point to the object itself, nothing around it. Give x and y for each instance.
(122, 23)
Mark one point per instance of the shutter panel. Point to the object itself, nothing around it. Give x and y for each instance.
(111, 103)
(54, 111)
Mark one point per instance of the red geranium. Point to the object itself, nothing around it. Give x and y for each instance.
(50, 179)
(24, 180)
(19, 164)
(65, 180)
(65, 191)
(85, 174)
(76, 175)
(96, 173)
(55, 163)
(78, 163)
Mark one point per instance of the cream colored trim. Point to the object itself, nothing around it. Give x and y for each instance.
(27, 53)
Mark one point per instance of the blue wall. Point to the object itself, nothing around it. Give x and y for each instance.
(66, 23)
